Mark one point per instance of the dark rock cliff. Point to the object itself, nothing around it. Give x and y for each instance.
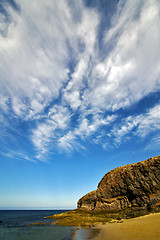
(133, 185)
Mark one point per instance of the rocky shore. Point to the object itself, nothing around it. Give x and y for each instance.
(126, 192)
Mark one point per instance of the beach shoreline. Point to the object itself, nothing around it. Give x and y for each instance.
(85, 233)
(143, 227)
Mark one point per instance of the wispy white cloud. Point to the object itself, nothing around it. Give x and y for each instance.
(86, 127)
(131, 70)
(34, 54)
(4, 102)
(47, 132)
(149, 122)
(52, 73)
(68, 142)
(154, 144)
(87, 33)
(18, 156)
(140, 125)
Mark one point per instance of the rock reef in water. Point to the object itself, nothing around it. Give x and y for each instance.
(133, 185)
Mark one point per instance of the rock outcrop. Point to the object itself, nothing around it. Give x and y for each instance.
(133, 185)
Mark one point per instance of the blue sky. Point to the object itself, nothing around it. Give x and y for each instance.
(79, 95)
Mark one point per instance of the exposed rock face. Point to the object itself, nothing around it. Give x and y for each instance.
(133, 185)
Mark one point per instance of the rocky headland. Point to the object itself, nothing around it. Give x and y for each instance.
(132, 186)
(125, 192)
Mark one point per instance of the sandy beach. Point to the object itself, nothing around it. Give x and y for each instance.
(146, 227)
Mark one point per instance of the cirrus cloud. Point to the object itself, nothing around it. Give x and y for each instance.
(56, 80)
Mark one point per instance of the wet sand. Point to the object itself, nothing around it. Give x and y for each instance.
(146, 227)
(85, 233)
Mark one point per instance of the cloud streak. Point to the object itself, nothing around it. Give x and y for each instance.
(140, 125)
(131, 70)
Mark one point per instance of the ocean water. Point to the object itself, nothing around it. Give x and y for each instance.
(14, 225)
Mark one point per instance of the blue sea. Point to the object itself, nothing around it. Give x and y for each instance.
(14, 225)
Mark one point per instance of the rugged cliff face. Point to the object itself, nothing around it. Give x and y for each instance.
(133, 185)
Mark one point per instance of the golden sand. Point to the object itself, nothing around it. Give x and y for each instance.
(146, 227)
